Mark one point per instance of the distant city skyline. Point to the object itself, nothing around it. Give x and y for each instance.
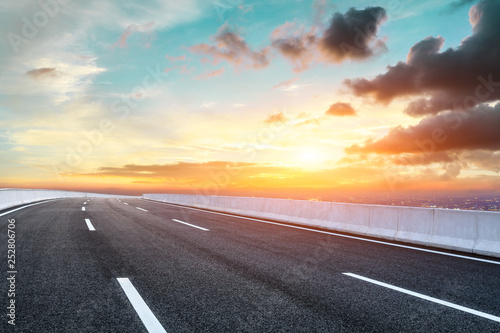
(248, 98)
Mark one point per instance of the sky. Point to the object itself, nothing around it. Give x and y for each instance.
(249, 97)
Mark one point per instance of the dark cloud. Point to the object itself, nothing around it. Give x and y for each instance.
(471, 130)
(455, 79)
(276, 118)
(231, 47)
(353, 34)
(42, 73)
(340, 109)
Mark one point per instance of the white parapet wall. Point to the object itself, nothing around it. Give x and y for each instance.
(15, 197)
(467, 231)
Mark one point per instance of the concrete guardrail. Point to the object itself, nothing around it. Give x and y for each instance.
(468, 231)
(15, 197)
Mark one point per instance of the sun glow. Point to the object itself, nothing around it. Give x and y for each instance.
(309, 157)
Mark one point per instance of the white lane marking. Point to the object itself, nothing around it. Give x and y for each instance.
(83, 208)
(89, 225)
(126, 203)
(428, 298)
(141, 209)
(191, 225)
(336, 234)
(38, 203)
(148, 318)
(85, 203)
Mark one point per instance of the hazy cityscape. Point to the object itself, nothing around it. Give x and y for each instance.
(483, 202)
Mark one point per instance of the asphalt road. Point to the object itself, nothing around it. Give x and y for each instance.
(148, 265)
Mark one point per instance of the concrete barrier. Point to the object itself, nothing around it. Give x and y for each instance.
(351, 217)
(488, 234)
(15, 197)
(384, 222)
(454, 229)
(312, 213)
(415, 225)
(467, 231)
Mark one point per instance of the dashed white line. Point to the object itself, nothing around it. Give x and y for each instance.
(125, 203)
(89, 225)
(428, 298)
(191, 225)
(83, 208)
(141, 209)
(85, 203)
(335, 234)
(147, 316)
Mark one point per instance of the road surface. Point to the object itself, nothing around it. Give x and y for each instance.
(131, 265)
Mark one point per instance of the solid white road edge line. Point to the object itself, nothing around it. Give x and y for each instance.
(89, 225)
(141, 209)
(38, 203)
(428, 298)
(148, 318)
(191, 225)
(335, 234)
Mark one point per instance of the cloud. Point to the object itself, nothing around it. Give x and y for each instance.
(42, 73)
(349, 36)
(310, 121)
(341, 109)
(179, 169)
(231, 47)
(483, 159)
(181, 58)
(289, 87)
(122, 41)
(423, 158)
(447, 131)
(455, 79)
(207, 105)
(276, 118)
(353, 34)
(320, 7)
(240, 175)
(296, 45)
(210, 74)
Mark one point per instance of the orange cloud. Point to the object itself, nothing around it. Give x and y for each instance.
(276, 118)
(234, 49)
(122, 41)
(340, 109)
(210, 74)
